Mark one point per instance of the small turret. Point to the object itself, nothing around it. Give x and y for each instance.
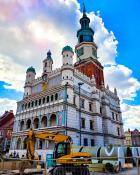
(115, 91)
(67, 67)
(47, 63)
(93, 81)
(30, 77)
(67, 54)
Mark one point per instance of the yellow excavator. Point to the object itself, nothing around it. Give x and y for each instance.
(64, 159)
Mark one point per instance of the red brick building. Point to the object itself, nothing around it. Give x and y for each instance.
(6, 127)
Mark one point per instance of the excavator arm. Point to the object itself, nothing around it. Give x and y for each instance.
(45, 135)
(53, 136)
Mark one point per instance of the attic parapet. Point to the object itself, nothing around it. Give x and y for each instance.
(37, 80)
(56, 71)
(82, 76)
(110, 93)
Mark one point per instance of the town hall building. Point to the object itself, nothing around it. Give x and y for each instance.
(72, 99)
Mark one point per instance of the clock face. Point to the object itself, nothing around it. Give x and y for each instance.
(94, 52)
(80, 52)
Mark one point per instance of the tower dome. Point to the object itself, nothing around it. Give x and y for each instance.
(85, 34)
(49, 57)
(67, 48)
(31, 69)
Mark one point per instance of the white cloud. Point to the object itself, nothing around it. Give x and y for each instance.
(120, 77)
(131, 116)
(105, 40)
(11, 73)
(6, 105)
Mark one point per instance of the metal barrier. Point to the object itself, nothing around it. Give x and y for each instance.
(97, 166)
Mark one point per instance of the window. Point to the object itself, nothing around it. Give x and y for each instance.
(22, 106)
(118, 131)
(85, 142)
(92, 142)
(51, 97)
(43, 100)
(91, 125)
(100, 110)
(25, 106)
(117, 117)
(80, 52)
(32, 104)
(39, 101)
(90, 107)
(82, 103)
(36, 103)
(74, 100)
(40, 146)
(113, 115)
(48, 99)
(29, 105)
(82, 123)
(56, 96)
(45, 64)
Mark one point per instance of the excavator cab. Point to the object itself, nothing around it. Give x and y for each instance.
(61, 149)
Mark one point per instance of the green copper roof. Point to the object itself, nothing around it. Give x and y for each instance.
(67, 48)
(31, 69)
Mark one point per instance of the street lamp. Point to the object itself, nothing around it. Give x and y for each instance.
(79, 88)
(65, 107)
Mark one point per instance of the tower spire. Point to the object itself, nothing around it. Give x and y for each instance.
(84, 9)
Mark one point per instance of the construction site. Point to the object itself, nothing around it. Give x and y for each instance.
(69, 160)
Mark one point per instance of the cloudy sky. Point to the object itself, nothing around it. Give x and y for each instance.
(29, 28)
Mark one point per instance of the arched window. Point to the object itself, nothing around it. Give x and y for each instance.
(39, 101)
(48, 99)
(51, 97)
(44, 121)
(21, 125)
(25, 143)
(32, 104)
(28, 124)
(25, 106)
(22, 106)
(29, 105)
(53, 120)
(36, 103)
(43, 100)
(56, 96)
(40, 145)
(36, 123)
(18, 143)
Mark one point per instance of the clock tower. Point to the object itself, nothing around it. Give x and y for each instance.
(86, 52)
